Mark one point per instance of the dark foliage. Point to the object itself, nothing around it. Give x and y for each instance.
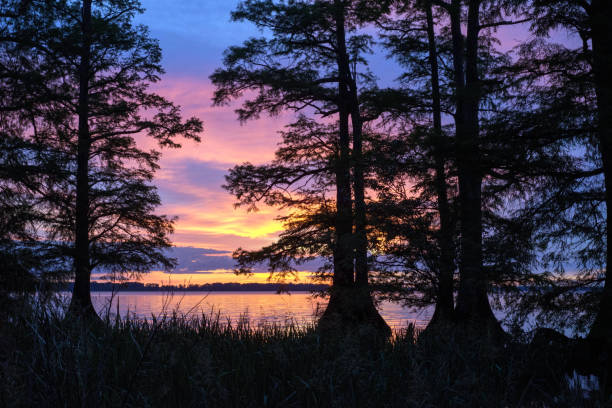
(92, 69)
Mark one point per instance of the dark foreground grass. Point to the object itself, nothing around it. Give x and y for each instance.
(176, 361)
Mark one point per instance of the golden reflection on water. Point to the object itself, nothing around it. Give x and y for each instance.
(259, 307)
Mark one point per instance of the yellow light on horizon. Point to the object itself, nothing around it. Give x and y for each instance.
(214, 276)
(267, 229)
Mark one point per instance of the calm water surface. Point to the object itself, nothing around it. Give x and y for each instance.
(259, 307)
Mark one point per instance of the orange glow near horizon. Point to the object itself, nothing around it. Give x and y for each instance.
(215, 276)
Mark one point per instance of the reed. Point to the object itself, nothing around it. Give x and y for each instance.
(175, 360)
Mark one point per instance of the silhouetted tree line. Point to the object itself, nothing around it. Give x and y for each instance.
(481, 173)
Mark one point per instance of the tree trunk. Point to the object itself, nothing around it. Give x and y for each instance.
(600, 15)
(366, 306)
(473, 306)
(361, 239)
(350, 304)
(343, 279)
(444, 302)
(80, 303)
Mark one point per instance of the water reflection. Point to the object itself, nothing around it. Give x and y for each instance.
(260, 307)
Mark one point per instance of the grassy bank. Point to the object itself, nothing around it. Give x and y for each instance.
(204, 362)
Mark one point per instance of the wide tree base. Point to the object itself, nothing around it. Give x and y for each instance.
(83, 312)
(352, 311)
(476, 320)
(442, 320)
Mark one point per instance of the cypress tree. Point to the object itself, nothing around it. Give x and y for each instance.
(310, 63)
(99, 201)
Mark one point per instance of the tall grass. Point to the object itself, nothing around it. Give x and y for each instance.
(178, 361)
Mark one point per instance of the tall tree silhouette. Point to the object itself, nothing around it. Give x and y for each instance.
(117, 62)
(571, 104)
(310, 63)
(102, 202)
(15, 207)
(592, 21)
(420, 34)
(27, 261)
(411, 36)
(480, 18)
(472, 301)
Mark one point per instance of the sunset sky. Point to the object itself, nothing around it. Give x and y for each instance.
(193, 35)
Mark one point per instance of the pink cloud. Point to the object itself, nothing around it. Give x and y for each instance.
(225, 140)
(190, 178)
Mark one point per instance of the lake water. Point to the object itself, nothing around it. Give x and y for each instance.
(259, 307)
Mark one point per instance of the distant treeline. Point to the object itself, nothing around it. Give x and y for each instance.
(207, 287)
(255, 287)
